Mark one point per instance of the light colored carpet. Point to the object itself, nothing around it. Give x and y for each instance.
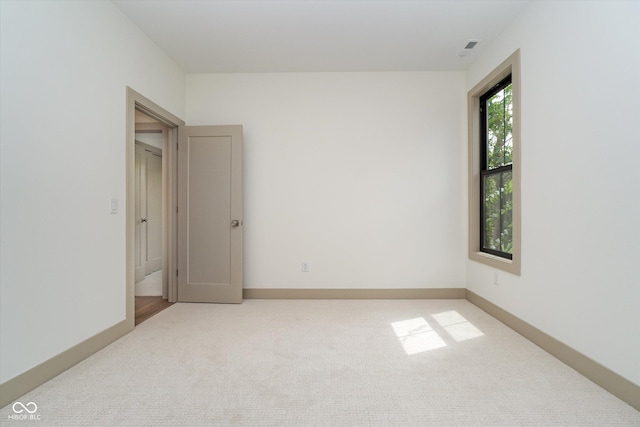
(324, 363)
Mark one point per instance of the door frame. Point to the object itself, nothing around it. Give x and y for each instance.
(136, 101)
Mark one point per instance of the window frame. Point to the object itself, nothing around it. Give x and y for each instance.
(477, 155)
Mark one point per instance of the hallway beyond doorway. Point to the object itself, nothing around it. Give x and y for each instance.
(151, 285)
(147, 307)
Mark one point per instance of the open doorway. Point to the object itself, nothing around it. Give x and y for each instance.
(152, 135)
(210, 204)
(151, 290)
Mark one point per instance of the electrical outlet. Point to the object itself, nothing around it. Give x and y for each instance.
(306, 266)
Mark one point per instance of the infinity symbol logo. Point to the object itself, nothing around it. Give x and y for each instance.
(23, 407)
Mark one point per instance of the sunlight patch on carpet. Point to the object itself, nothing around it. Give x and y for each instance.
(417, 336)
(459, 328)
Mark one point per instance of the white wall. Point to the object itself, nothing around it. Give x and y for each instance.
(65, 68)
(359, 173)
(152, 139)
(580, 278)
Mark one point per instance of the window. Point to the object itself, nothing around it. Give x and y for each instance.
(494, 168)
(496, 163)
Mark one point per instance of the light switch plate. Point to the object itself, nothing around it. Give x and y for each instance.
(114, 205)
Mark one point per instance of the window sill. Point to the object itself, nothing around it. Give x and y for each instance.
(508, 265)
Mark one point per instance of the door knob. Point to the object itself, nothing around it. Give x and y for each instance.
(143, 219)
(235, 223)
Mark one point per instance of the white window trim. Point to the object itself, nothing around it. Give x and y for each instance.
(510, 66)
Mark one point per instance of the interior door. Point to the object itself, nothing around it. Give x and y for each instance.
(140, 215)
(154, 210)
(148, 231)
(210, 214)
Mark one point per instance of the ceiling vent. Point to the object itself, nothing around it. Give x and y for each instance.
(471, 43)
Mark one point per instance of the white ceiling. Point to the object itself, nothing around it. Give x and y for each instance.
(320, 35)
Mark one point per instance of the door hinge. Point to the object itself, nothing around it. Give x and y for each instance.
(176, 272)
(176, 209)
